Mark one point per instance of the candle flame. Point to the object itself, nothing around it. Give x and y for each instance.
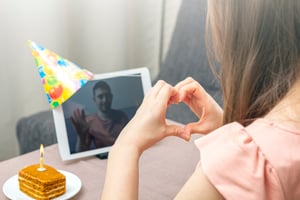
(41, 168)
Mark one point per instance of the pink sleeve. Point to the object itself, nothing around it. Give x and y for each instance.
(234, 164)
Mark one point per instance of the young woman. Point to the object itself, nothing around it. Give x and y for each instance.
(256, 139)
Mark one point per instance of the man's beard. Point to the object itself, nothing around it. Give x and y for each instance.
(105, 108)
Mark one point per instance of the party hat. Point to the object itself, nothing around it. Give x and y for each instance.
(60, 77)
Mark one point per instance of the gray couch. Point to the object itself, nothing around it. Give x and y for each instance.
(186, 57)
(35, 130)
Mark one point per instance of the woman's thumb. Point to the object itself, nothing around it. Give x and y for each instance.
(175, 130)
(199, 127)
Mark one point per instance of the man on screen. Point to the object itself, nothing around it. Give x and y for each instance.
(103, 127)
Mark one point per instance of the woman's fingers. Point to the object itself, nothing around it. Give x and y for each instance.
(190, 89)
(210, 114)
(175, 130)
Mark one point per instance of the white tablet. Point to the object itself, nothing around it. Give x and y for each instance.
(90, 121)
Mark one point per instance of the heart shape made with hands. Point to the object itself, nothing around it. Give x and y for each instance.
(209, 114)
(192, 94)
(190, 127)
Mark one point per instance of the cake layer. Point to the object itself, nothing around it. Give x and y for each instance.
(44, 178)
(39, 187)
(41, 195)
(28, 186)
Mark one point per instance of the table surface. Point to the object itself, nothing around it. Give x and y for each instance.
(164, 168)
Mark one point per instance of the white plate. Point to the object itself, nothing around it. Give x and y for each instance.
(12, 191)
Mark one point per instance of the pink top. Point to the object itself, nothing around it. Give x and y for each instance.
(260, 161)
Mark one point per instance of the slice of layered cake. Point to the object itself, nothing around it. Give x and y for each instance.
(41, 184)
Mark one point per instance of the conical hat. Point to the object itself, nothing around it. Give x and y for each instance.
(60, 77)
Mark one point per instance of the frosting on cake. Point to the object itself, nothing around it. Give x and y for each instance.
(41, 185)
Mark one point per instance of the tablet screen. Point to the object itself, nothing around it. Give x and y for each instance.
(90, 121)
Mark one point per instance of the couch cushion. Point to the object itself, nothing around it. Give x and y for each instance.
(35, 130)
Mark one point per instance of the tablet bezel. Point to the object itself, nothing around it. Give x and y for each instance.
(60, 121)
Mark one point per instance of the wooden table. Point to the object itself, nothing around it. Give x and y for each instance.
(164, 168)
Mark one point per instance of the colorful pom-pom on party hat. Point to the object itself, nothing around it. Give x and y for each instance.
(60, 77)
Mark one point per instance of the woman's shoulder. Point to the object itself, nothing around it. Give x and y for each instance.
(273, 140)
(262, 131)
(259, 154)
(225, 133)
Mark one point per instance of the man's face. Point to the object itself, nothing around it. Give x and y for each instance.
(103, 99)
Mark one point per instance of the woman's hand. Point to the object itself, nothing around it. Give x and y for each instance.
(208, 111)
(148, 126)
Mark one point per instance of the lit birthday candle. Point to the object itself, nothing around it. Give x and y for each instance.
(41, 168)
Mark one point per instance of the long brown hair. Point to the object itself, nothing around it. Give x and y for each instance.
(256, 43)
